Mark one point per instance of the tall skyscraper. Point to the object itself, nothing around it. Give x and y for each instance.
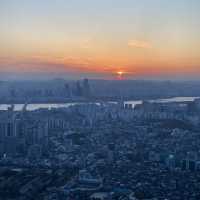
(78, 89)
(86, 88)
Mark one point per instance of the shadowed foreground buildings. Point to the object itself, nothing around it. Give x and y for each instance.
(19, 133)
(101, 151)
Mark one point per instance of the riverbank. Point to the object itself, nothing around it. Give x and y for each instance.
(63, 100)
(49, 105)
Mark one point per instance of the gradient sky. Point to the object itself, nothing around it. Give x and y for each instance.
(98, 38)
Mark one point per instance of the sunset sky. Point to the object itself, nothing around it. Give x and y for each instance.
(100, 38)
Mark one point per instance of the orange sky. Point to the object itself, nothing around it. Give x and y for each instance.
(148, 38)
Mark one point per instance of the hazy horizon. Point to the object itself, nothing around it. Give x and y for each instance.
(40, 76)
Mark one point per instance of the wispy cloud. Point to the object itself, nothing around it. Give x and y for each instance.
(139, 44)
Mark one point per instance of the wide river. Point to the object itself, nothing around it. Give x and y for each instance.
(18, 107)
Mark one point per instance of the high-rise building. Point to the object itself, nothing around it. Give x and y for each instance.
(67, 90)
(78, 89)
(86, 88)
(17, 134)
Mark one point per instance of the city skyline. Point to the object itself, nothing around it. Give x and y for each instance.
(100, 39)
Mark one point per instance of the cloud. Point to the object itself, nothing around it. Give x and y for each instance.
(139, 44)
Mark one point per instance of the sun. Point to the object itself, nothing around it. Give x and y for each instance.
(120, 73)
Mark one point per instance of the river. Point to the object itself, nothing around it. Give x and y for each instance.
(35, 106)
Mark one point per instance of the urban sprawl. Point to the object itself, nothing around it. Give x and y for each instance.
(101, 151)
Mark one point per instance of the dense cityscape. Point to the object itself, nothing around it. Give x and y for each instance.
(100, 150)
(99, 100)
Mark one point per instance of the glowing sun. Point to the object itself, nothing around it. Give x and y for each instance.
(120, 74)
